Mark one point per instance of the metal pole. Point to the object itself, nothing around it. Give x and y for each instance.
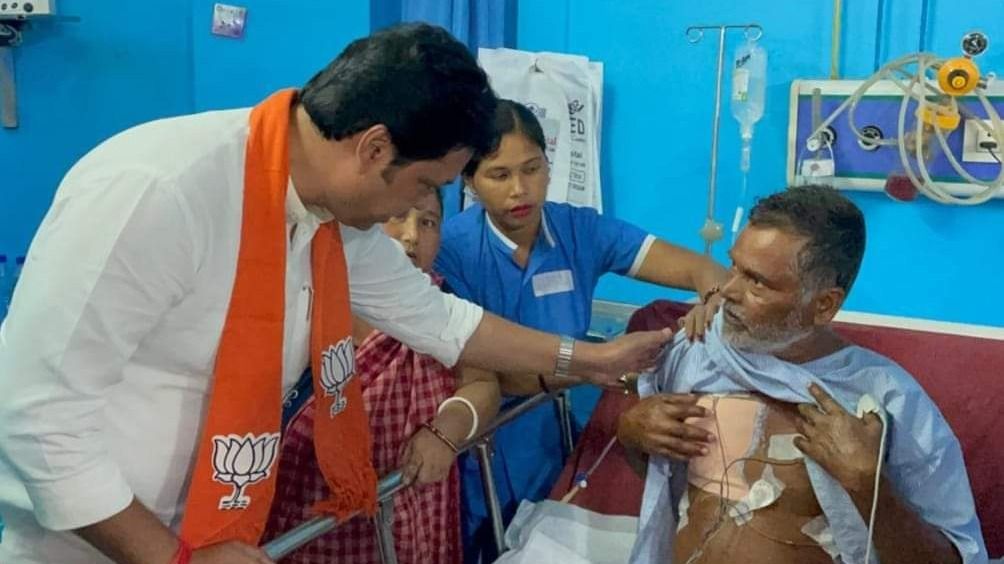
(838, 17)
(314, 528)
(713, 178)
(387, 487)
(564, 402)
(8, 89)
(385, 531)
(299, 536)
(484, 453)
(925, 7)
(879, 15)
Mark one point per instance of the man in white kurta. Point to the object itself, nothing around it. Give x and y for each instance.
(108, 352)
(108, 370)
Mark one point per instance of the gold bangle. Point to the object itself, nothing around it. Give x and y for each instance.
(441, 436)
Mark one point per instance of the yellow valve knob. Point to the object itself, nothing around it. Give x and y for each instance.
(944, 117)
(958, 76)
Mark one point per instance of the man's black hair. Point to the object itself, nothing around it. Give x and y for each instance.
(417, 80)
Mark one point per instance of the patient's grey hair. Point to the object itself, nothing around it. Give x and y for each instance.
(833, 226)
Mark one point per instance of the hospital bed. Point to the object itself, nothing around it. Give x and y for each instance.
(960, 367)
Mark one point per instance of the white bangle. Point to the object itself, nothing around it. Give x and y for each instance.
(474, 413)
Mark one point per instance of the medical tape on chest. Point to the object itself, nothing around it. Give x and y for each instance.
(762, 493)
(818, 530)
(739, 423)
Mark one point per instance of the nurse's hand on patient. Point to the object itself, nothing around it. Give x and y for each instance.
(426, 459)
(656, 425)
(603, 364)
(230, 552)
(698, 320)
(845, 446)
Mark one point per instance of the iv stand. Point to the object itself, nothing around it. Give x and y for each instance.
(10, 37)
(712, 230)
(11, 30)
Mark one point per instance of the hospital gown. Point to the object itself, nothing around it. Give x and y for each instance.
(923, 457)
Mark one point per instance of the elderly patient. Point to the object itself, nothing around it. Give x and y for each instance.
(759, 444)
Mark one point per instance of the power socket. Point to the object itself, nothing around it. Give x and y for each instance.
(973, 137)
(818, 168)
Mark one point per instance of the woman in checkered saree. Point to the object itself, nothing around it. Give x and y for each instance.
(418, 411)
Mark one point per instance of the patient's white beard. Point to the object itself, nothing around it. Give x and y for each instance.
(766, 339)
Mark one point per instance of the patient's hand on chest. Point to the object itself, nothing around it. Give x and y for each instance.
(750, 496)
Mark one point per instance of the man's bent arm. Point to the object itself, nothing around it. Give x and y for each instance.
(101, 273)
(388, 292)
(132, 536)
(136, 536)
(503, 346)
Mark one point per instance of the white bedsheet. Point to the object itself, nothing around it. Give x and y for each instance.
(549, 531)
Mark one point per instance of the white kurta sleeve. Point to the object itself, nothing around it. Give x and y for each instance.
(113, 254)
(397, 298)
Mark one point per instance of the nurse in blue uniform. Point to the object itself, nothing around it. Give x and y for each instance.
(537, 263)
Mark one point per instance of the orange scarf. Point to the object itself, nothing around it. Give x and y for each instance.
(234, 479)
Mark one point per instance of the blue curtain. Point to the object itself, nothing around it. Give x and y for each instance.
(477, 23)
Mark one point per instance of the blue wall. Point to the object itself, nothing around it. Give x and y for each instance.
(78, 83)
(285, 43)
(923, 260)
(126, 63)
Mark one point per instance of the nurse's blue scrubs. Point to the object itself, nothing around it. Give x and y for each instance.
(574, 247)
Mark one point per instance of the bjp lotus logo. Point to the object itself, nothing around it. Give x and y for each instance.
(338, 366)
(242, 461)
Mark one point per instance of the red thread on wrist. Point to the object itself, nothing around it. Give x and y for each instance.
(441, 436)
